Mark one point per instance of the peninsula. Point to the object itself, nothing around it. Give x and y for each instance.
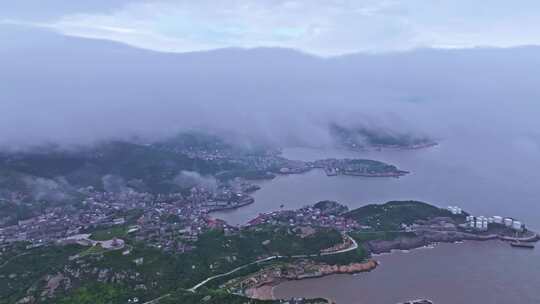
(219, 263)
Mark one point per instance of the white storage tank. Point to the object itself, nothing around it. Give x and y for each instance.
(491, 220)
(517, 225)
(498, 219)
(508, 222)
(484, 225)
(454, 210)
(479, 224)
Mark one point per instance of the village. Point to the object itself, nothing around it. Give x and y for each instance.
(156, 219)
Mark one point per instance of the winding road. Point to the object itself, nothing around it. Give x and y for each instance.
(354, 246)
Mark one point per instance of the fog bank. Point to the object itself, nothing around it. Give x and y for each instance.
(57, 89)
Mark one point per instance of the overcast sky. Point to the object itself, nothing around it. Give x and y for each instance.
(319, 27)
(57, 88)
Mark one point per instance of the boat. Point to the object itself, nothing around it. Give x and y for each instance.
(522, 245)
(419, 301)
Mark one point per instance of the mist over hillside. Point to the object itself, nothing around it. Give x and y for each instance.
(269, 151)
(71, 91)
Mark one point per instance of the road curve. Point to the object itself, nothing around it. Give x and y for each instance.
(351, 248)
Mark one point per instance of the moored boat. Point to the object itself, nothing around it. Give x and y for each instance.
(522, 245)
(419, 301)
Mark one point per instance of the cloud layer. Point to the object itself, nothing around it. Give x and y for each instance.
(69, 90)
(318, 27)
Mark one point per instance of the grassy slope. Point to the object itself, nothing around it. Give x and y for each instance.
(162, 273)
(391, 215)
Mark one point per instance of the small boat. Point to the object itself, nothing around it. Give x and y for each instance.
(419, 301)
(522, 245)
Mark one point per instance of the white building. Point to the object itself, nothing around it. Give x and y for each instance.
(498, 219)
(508, 222)
(480, 223)
(470, 221)
(455, 210)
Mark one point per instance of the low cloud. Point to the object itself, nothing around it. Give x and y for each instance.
(190, 179)
(115, 184)
(74, 91)
(43, 189)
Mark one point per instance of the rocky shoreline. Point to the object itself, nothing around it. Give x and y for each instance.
(352, 268)
(428, 238)
(408, 243)
(395, 174)
(264, 290)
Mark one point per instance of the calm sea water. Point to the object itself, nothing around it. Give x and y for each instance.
(472, 272)
(485, 178)
(484, 183)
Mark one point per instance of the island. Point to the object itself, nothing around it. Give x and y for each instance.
(365, 138)
(161, 253)
(352, 167)
(132, 222)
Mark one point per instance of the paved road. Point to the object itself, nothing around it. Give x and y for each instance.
(351, 248)
(194, 288)
(155, 301)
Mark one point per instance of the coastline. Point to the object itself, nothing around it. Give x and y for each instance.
(380, 148)
(247, 202)
(265, 291)
(331, 173)
(395, 174)
(485, 260)
(381, 246)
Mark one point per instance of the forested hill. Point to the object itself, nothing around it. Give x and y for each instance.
(144, 167)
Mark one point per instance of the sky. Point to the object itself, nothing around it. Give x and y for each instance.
(418, 66)
(324, 28)
(72, 90)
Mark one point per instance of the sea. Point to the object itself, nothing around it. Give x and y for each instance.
(482, 178)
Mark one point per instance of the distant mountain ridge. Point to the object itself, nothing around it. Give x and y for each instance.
(121, 91)
(361, 138)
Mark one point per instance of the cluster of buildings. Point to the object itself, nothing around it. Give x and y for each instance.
(455, 210)
(219, 154)
(482, 222)
(164, 218)
(306, 217)
(357, 167)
